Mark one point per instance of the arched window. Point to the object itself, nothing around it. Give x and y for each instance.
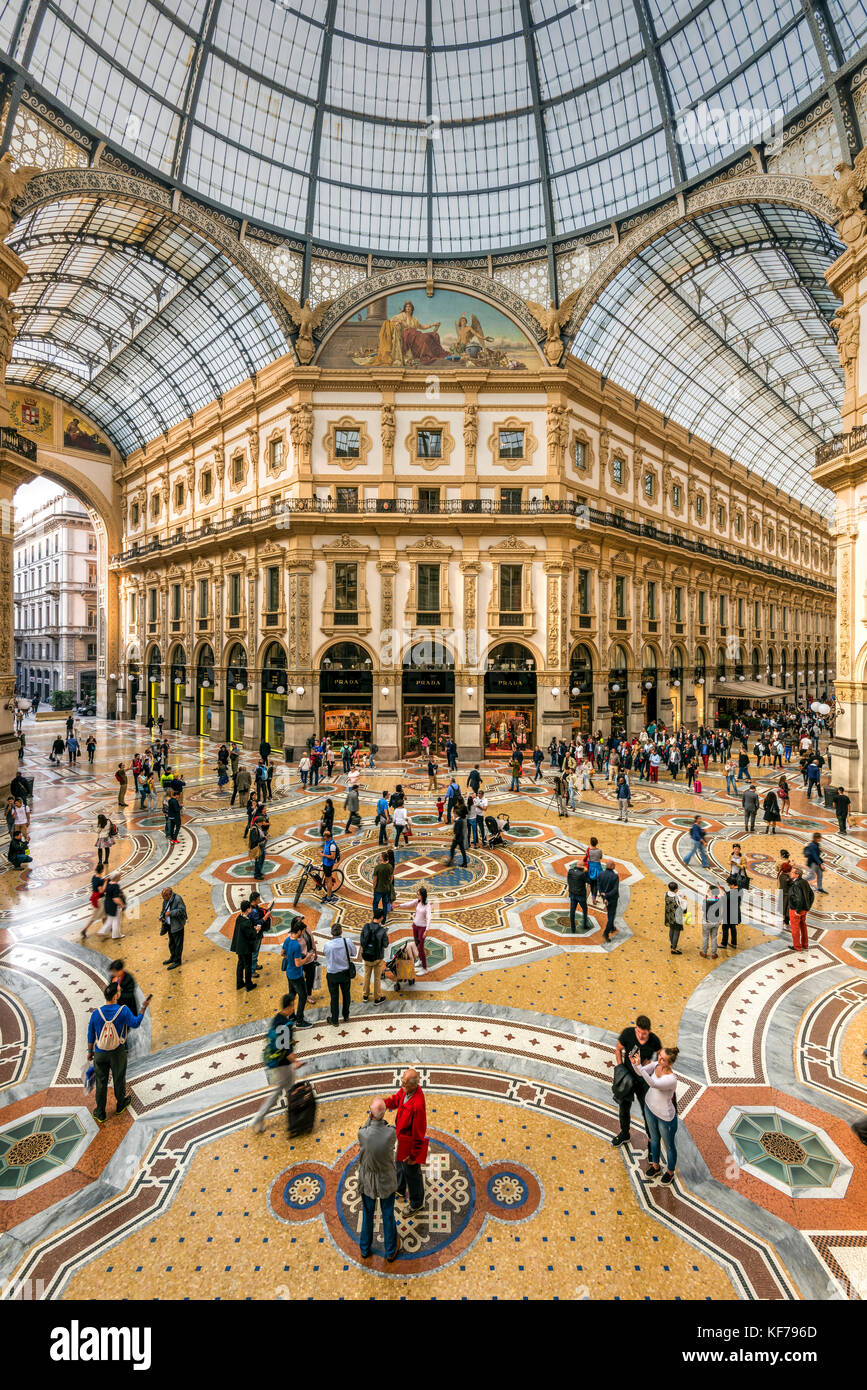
(236, 670)
(155, 664)
(771, 665)
(720, 663)
(510, 656)
(205, 666)
(756, 663)
(676, 668)
(346, 656)
(274, 667)
(700, 665)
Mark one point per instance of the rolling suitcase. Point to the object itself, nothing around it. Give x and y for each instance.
(696, 786)
(302, 1109)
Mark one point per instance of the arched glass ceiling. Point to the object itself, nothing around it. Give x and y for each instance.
(131, 316)
(722, 325)
(431, 126)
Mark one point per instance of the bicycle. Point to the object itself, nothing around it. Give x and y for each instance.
(318, 876)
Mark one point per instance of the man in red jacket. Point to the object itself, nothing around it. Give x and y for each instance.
(411, 1126)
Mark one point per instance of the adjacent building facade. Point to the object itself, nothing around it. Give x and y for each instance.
(432, 530)
(55, 601)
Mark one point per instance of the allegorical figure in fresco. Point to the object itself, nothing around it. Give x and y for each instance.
(403, 339)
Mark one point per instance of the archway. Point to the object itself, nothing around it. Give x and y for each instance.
(236, 692)
(510, 698)
(275, 679)
(675, 685)
(204, 689)
(649, 685)
(428, 691)
(346, 693)
(154, 678)
(581, 689)
(177, 686)
(618, 687)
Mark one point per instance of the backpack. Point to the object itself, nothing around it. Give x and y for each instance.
(109, 1039)
(117, 777)
(371, 941)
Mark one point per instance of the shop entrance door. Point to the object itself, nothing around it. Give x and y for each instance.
(203, 711)
(617, 705)
(432, 721)
(581, 710)
(176, 711)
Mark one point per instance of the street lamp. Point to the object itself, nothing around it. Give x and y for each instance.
(299, 690)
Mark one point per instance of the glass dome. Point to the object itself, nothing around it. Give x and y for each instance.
(428, 126)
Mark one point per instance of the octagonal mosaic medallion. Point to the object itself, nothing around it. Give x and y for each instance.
(786, 1152)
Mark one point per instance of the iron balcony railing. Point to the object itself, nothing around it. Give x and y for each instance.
(11, 439)
(568, 509)
(842, 444)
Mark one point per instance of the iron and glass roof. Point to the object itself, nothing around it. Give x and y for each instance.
(431, 126)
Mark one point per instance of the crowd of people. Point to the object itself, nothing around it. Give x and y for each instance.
(392, 1158)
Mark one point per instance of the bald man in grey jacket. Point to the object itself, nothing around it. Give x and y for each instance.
(377, 1179)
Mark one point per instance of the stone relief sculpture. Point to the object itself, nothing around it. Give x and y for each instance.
(846, 192)
(847, 325)
(12, 185)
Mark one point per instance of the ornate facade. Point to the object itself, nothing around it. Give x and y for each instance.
(468, 543)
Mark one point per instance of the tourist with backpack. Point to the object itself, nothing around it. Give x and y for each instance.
(278, 1059)
(121, 778)
(106, 1048)
(373, 942)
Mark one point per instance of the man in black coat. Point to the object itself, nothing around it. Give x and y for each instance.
(576, 884)
(608, 887)
(244, 939)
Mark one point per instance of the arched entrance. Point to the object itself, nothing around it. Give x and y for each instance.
(204, 690)
(236, 693)
(618, 688)
(346, 693)
(649, 687)
(428, 690)
(700, 685)
(510, 698)
(275, 676)
(177, 686)
(675, 685)
(581, 690)
(133, 676)
(155, 671)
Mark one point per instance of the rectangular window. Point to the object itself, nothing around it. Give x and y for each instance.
(676, 495)
(510, 499)
(617, 470)
(511, 444)
(179, 496)
(91, 544)
(275, 455)
(648, 484)
(757, 615)
(346, 594)
(207, 483)
(155, 505)
(272, 589)
(91, 651)
(152, 605)
(722, 610)
(651, 600)
(134, 514)
(347, 499)
(580, 455)
(347, 444)
(429, 444)
(702, 606)
(132, 614)
(785, 620)
(91, 617)
(583, 591)
(234, 595)
(620, 596)
(699, 507)
(176, 602)
(678, 605)
(204, 602)
(91, 574)
(719, 517)
(428, 499)
(510, 589)
(771, 612)
(237, 470)
(428, 593)
(740, 612)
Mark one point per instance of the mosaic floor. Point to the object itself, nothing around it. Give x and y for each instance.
(513, 1029)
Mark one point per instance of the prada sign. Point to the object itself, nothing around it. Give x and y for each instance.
(346, 683)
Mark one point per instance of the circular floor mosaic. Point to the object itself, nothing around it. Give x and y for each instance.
(425, 863)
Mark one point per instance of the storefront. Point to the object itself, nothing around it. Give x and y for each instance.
(649, 688)
(346, 695)
(236, 693)
(428, 708)
(581, 691)
(618, 690)
(177, 688)
(510, 711)
(204, 691)
(346, 706)
(275, 678)
(675, 687)
(134, 677)
(155, 666)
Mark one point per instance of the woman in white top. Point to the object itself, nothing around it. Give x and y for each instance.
(420, 922)
(660, 1111)
(304, 769)
(481, 803)
(339, 953)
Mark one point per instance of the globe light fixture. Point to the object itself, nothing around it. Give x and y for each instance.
(471, 690)
(675, 683)
(700, 680)
(648, 685)
(384, 690)
(281, 690)
(299, 690)
(112, 677)
(239, 685)
(575, 690)
(615, 687)
(555, 690)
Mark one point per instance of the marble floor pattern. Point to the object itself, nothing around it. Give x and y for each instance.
(513, 1028)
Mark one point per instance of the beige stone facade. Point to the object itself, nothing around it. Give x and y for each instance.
(541, 522)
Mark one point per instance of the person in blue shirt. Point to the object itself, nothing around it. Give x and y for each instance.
(114, 1061)
(453, 791)
(698, 837)
(330, 854)
(294, 959)
(382, 815)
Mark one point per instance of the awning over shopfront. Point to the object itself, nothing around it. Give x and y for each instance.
(749, 690)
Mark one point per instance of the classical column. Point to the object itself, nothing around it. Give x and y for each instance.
(386, 728)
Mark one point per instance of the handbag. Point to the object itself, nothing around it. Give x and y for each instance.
(622, 1082)
(349, 961)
